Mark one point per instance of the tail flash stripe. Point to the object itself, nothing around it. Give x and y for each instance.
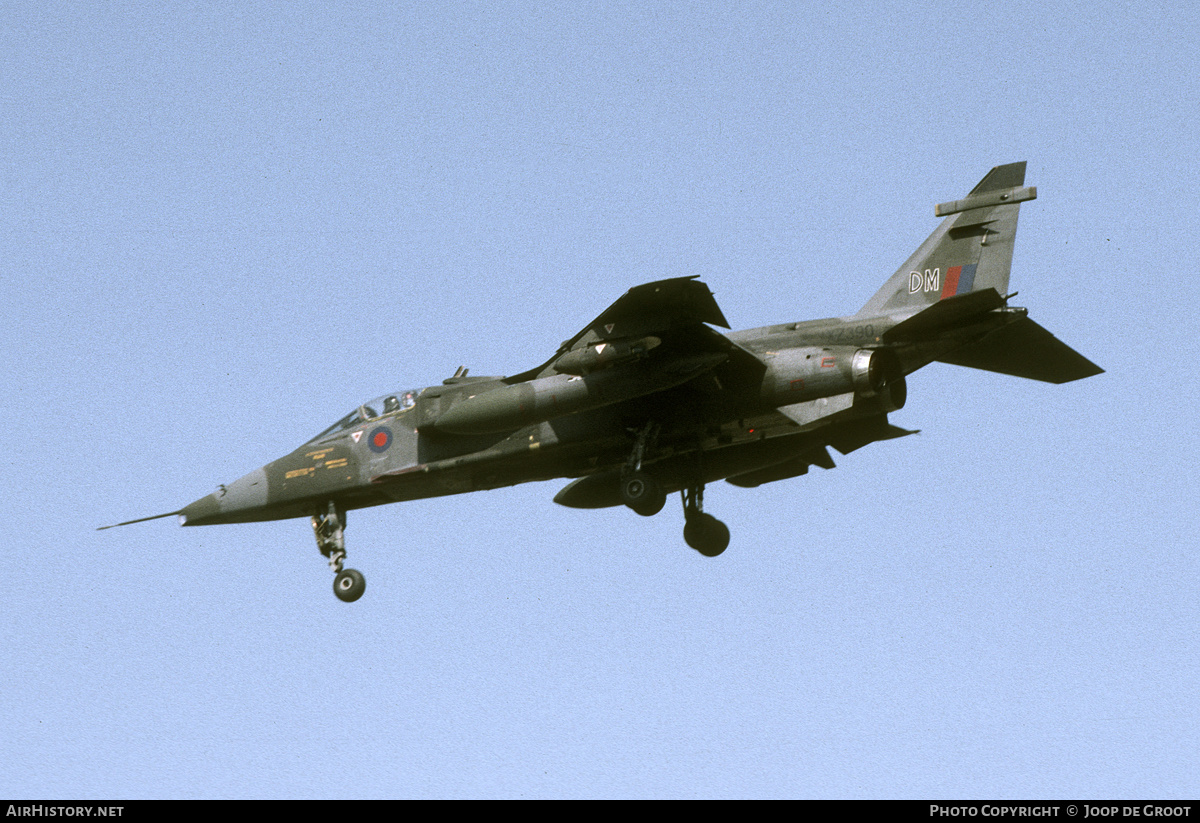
(950, 287)
(966, 281)
(959, 280)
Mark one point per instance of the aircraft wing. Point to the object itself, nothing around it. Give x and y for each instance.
(650, 308)
(670, 314)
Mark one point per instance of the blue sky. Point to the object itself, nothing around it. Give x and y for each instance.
(224, 226)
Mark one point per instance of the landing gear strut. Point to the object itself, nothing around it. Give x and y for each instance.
(330, 531)
(639, 490)
(703, 532)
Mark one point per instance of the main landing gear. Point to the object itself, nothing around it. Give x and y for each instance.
(639, 490)
(703, 532)
(642, 493)
(330, 531)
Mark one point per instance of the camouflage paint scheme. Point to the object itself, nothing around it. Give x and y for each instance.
(650, 390)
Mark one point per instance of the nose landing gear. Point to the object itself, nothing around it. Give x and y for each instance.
(330, 531)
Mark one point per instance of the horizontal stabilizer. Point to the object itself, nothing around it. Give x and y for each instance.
(945, 314)
(1024, 349)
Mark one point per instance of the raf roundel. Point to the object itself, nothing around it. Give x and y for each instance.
(379, 439)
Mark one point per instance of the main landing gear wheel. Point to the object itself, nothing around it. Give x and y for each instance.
(703, 532)
(641, 492)
(349, 585)
(706, 534)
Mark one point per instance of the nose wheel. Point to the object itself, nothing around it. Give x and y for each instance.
(349, 585)
(330, 531)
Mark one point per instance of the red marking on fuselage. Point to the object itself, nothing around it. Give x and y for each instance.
(950, 287)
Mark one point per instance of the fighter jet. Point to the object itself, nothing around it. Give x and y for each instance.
(649, 399)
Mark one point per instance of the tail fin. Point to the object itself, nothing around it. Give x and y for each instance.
(970, 251)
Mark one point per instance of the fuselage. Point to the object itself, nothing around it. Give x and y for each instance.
(564, 425)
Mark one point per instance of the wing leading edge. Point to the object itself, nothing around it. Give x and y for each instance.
(665, 317)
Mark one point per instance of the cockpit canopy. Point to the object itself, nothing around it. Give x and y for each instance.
(385, 406)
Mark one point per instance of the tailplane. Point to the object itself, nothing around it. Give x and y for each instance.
(970, 251)
(1024, 349)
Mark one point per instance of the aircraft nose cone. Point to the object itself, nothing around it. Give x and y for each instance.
(202, 512)
(229, 504)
